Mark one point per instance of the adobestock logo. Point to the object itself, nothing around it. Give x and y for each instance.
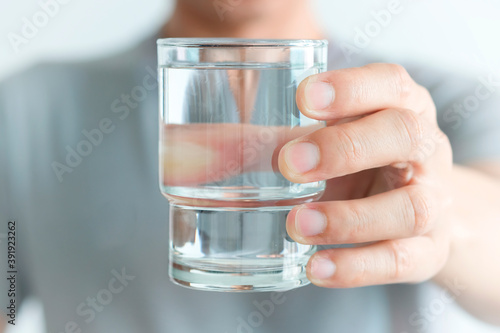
(31, 26)
(90, 309)
(487, 87)
(363, 36)
(265, 309)
(421, 319)
(121, 107)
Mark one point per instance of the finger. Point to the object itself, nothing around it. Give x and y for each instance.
(204, 153)
(359, 91)
(385, 137)
(406, 212)
(394, 261)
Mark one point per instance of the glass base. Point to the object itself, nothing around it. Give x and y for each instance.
(233, 278)
(235, 250)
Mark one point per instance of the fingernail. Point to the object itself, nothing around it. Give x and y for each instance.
(322, 268)
(319, 95)
(309, 222)
(302, 157)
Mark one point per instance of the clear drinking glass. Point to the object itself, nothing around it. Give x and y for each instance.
(227, 106)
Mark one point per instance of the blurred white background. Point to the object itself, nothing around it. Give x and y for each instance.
(461, 35)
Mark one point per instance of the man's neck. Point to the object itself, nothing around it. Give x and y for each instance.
(296, 22)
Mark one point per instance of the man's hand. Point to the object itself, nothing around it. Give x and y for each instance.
(389, 190)
(390, 181)
(387, 163)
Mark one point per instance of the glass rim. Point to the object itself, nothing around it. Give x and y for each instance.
(240, 42)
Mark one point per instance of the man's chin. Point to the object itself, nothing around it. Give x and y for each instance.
(237, 11)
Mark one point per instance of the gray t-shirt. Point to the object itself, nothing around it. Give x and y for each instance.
(78, 174)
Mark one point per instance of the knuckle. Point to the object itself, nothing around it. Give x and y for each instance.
(421, 210)
(359, 222)
(403, 83)
(445, 149)
(359, 92)
(361, 271)
(348, 145)
(402, 262)
(429, 104)
(412, 126)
